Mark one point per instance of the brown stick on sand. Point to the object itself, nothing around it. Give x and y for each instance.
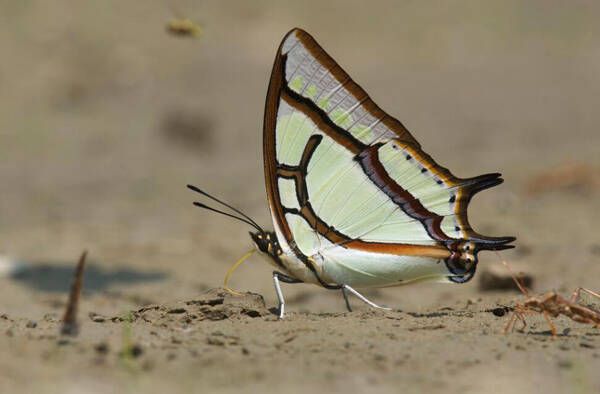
(551, 305)
(70, 326)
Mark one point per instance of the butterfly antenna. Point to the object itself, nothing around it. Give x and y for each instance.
(201, 205)
(520, 285)
(248, 218)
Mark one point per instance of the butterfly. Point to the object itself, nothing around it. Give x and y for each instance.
(355, 202)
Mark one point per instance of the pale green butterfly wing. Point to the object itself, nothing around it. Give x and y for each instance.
(349, 182)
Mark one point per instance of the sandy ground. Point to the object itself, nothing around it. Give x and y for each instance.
(104, 118)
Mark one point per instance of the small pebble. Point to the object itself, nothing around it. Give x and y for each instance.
(499, 312)
(96, 318)
(136, 350)
(565, 364)
(102, 348)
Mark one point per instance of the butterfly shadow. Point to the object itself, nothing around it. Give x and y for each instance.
(56, 277)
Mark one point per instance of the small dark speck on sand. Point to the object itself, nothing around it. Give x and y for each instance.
(101, 348)
(499, 312)
(567, 364)
(136, 350)
(96, 318)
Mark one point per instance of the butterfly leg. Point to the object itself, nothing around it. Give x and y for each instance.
(278, 276)
(362, 298)
(345, 294)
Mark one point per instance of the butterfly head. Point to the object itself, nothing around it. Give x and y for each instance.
(266, 242)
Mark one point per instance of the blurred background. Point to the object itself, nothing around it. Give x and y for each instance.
(105, 117)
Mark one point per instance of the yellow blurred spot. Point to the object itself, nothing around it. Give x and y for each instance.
(184, 28)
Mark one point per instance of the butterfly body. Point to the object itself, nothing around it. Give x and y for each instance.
(283, 258)
(334, 265)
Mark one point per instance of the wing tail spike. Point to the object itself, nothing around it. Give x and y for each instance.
(494, 243)
(504, 247)
(476, 184)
